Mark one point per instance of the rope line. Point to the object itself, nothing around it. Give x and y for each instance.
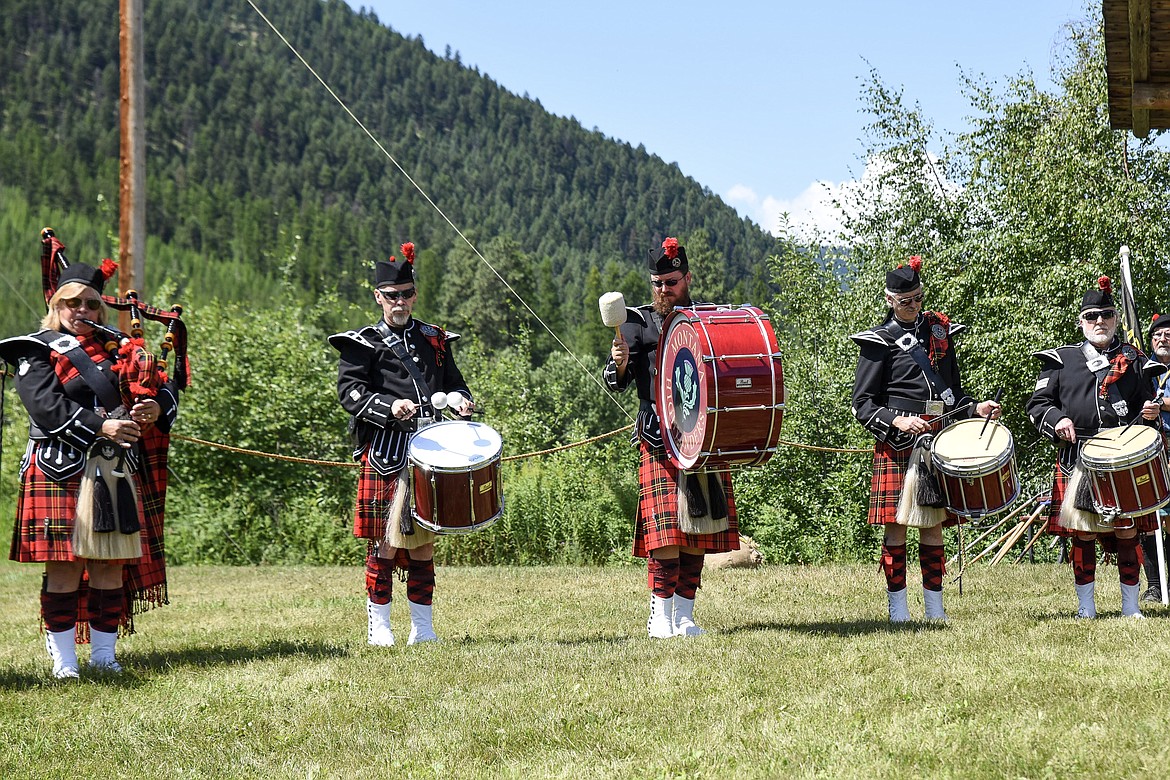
(441, 213)
(510, 458)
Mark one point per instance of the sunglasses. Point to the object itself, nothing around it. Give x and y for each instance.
(911, 299)
(93, 304)
(396, 295)
(660, 283)
(1091, 316)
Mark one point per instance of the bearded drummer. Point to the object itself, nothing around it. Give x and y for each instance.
(907, 378)
(1085, 388)
(387, 375)
(674, 557)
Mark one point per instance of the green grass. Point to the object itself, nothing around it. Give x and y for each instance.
(547, 672)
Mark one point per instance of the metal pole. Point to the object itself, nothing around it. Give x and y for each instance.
(132, 171)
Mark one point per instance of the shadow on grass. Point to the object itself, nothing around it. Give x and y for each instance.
(842, 627)
(139, 667)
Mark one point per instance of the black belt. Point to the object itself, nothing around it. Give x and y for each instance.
(932, 408)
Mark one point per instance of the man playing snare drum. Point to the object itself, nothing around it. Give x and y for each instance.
(1085, 388)
(907, 377)
(387, 374)
(674, 542)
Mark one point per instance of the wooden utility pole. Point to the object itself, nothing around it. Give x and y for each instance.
(132, 171)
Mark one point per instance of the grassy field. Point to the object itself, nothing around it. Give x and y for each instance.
(264, 672)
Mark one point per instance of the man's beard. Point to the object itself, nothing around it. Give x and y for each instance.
(1101, 341)
(1163, 354)
(399, 318)
(664, 307)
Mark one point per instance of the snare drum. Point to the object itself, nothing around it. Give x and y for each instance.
(977, 474)
(1127, 470)
(455, 474)
(719, 387)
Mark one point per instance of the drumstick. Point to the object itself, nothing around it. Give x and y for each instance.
(998, 395)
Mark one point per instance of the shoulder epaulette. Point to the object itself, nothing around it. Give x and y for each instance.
(956, 328)
(1051, 356)
(635, 315)
(873, 336)
(13, 349)
(366, 338)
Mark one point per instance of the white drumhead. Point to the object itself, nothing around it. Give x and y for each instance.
(1113, 443)
(961, 441)
(455, 445)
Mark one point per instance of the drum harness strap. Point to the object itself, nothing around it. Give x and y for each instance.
(908, 342)
(1100, 367)
(70, 347)
(398, 347)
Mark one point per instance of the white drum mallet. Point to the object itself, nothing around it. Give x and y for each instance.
(613, 311)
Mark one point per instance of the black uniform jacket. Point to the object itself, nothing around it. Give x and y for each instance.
(64, 418)
(371, 378)
(1068, 388)
(641, 330)
(888, 376)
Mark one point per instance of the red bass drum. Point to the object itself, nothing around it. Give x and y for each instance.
(719, 387)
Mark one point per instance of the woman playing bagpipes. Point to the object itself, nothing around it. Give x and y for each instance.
(90, 506)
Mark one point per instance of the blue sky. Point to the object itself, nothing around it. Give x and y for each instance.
(758, 101)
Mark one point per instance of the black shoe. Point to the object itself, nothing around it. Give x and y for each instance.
(1152, 595)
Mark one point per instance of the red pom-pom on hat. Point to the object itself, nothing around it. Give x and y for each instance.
(1103, 283)
(109, 268)
(671, 247)
(915, 263)
(408, 252)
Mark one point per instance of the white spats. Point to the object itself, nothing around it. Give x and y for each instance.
(378, 631)
(62, 647)
(899, 609)
(684, 617)
(934, 604)
(421, 629)
(1129, 601)
(1086, 605)
(660, 625)
(101, 657)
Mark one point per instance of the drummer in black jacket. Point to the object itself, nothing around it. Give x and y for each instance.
(907, 376)
(1083, 389)
(386, 375)
(662, 530)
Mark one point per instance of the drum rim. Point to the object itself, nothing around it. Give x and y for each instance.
(460, 529)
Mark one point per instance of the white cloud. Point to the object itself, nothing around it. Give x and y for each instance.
(808, 212)
(811, 214)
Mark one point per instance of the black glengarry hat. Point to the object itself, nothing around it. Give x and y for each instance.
(904, 278)
(668, 258)
(1100, 297)
(395, 271)
(88, 275)
(1157, 322)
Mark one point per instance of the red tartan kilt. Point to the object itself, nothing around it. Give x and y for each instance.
(657, 522)
(885, 488)
(1060, 480)
(375, 493)
(44, 517)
